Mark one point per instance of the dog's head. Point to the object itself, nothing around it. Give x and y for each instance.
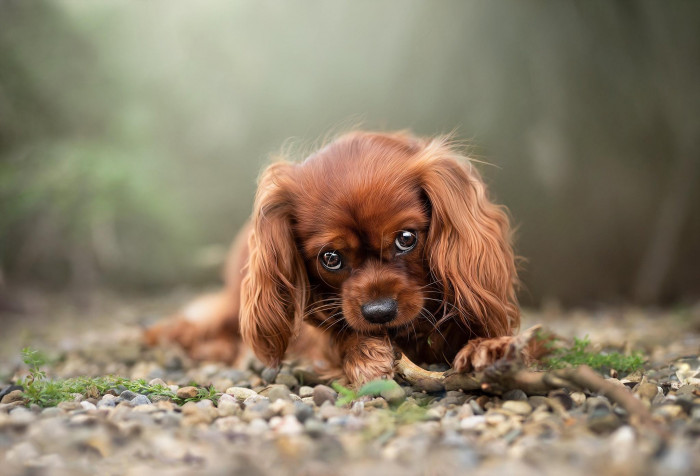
(370, 232)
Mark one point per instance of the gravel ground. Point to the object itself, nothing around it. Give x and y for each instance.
(265, 422)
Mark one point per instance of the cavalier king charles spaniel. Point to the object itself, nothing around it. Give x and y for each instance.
(375, 243)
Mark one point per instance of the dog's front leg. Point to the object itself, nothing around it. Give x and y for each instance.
(481, 352)
(366, 358)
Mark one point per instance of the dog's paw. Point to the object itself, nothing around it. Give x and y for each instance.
(482, 352)
(369, 359)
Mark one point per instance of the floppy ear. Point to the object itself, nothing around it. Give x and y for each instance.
(468, 246)
(274, 292)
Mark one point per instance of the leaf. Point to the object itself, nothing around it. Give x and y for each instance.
(376, 387)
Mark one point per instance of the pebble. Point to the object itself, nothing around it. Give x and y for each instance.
(139, 400)
(647, 391)
(157, 381)
(13, 396)
(288, 425)
(278, 392)
(603, 423)
(88, 406)
(323, 393)
(563, 398)
(241, 393)
(518, 407)
(579, 398)
(515, 394)
(127, 395)
(69, 406)
(303, 411)
(287, 380)
(306, 391)
(269, 374)
(669, 411)
(187, 392)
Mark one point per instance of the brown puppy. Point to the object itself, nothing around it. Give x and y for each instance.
(378, 241)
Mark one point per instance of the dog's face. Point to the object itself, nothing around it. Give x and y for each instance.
(365, 233)
(362, 229)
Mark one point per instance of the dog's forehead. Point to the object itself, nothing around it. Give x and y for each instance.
(354, 215)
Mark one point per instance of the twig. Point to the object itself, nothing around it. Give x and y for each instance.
(509, 374)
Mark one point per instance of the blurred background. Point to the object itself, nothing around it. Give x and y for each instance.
(132, 133)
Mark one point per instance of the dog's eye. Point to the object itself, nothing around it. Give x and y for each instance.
(406, 240)
(331, 260)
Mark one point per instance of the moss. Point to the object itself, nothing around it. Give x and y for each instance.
(48, 392)
(580, 354)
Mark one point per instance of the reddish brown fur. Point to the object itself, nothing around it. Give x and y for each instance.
(455, 290)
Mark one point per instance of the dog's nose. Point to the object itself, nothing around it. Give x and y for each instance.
(380, 311)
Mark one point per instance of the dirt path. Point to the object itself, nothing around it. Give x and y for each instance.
(261, 422)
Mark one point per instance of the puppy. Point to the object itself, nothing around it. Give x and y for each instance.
(375, 243)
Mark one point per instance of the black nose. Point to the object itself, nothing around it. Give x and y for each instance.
(380, 311)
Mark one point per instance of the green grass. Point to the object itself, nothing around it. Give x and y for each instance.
(580, 354)
(49, 392)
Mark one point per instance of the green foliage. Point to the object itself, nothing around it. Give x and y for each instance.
(580, 354)
(373, 388)
(47, 392)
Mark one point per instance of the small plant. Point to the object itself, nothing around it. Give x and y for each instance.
(579, 354)
(47, 392)
(373, 388)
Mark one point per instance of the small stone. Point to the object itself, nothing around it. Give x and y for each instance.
(323, 393)
(228, 408)
(314, 427)
(277, 392)
(289, 425)
(20, 416)
(258, 410)
(306, 376)
(303, 411)
(51, 412)
(537, 401)
(127, 395)
(187, 392)
(436, 413)
(253, 399)
(88, 406)
(269, 374)
(603, 423)
(647, 391)
(328, 410)
(579, 398)
(159, 398)
(140, 400)
(563, 398)
(376, 403)
(21, 453)
(13, 396)
(286, 379)
(282, 407)
(257, 426)
(69, 406)
(473, 423)
(518, 407)
(157, 381)
(196, 414)
(8, 389)
(241, 393)
(597, 403)
(669, 411)
(515, 394)
(306, 391)
(358, 408)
